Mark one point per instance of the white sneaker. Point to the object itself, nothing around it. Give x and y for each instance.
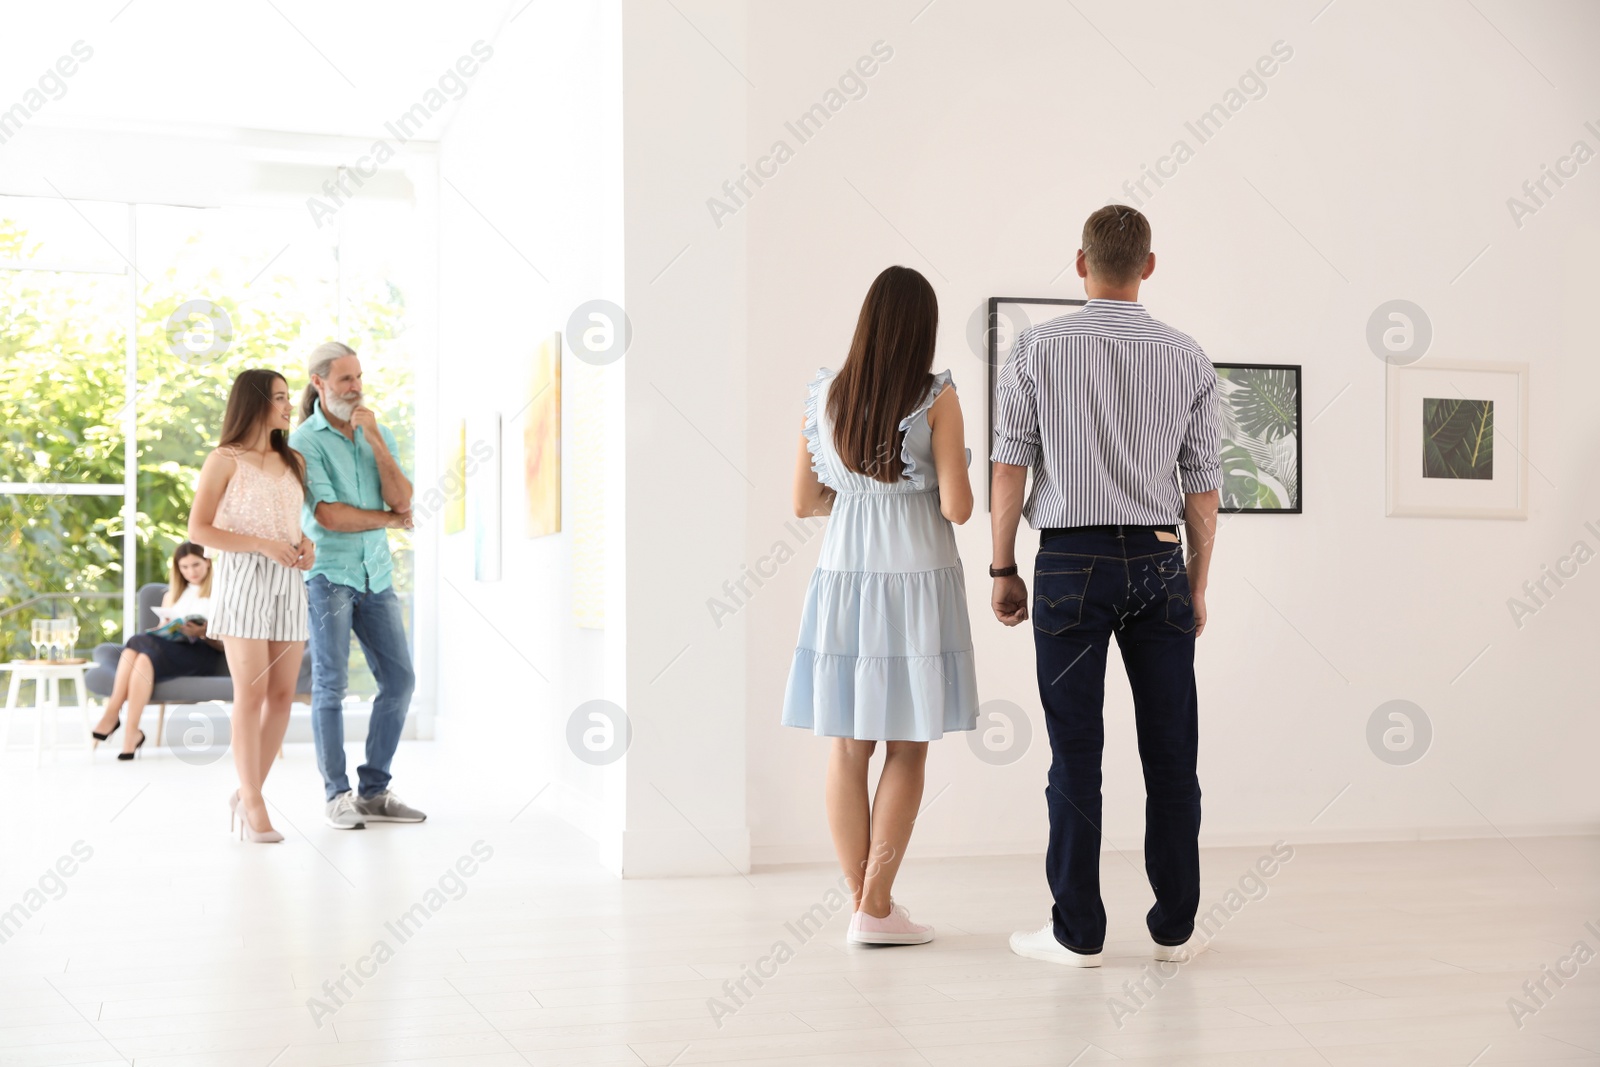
(1041, 944)
(341, 813)
(1180, 953)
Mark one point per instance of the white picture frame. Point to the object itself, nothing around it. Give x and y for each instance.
(1496, 487)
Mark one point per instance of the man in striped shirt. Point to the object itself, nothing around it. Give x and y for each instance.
(1116, 413)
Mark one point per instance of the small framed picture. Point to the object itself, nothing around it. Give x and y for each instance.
(1008, 317)
(1458, 439)
(1259, 411)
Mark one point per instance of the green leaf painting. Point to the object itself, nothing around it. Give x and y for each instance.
(1260, 446)
(1457, 438)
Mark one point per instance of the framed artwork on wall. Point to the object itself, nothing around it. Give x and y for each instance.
(1008, 317)
(455, 506)
(1457, 439)
(541, 441)
(1259, 412)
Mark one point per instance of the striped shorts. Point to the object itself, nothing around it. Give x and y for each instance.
(255, 597)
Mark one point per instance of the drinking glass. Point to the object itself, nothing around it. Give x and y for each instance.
(58, 638)
(37, 637)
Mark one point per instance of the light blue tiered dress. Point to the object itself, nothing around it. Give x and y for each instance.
(885, 648)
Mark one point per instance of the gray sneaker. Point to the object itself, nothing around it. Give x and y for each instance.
(387, 807)
(341, 813)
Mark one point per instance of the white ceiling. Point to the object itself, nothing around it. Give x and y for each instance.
(305, 66)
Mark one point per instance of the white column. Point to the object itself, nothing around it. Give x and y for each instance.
(684, 118)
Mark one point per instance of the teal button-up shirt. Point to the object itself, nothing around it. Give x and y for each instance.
(342, 471)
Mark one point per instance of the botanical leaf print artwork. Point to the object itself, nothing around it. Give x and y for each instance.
(1260, 446)
(1457, 438)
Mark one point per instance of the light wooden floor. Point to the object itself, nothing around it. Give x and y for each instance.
(172, 944)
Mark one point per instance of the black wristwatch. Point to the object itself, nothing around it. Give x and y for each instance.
(1002, 572)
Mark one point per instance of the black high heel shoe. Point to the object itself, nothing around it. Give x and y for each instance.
(101, 737)
(136, 748)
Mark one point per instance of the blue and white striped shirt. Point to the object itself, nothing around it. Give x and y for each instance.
(1110, 408)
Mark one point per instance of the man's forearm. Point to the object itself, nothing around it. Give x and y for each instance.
(1200, 524)
(394, 485)
(347, 518)
(1005, 511)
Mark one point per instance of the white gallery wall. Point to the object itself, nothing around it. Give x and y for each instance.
(572, 173)
(611, 146)
(688, 474)
(1374, 163)
(529, 230)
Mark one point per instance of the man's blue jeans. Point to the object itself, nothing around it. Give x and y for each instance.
(375, 619)
(1089, 583)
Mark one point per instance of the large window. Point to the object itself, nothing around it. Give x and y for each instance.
(204, 293)
(66, 316)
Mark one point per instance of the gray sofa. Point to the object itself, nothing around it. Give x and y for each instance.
(193, 690)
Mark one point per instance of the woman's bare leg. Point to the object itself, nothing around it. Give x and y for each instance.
(849, 817)
(281, 678)
(249, 663)
(894, 812)
(119, 690)
(141, 683)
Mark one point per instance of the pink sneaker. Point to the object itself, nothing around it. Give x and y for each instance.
(895, 928)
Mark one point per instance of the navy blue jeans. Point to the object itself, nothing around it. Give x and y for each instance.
(337, 611)
(1088, 583)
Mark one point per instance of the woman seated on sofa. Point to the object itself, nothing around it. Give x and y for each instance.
(149, 658)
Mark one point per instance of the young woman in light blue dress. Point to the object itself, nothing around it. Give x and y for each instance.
(885, 647)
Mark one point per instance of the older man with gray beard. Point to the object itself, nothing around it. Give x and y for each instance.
(355, 492)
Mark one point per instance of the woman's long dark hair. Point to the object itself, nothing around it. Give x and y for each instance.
(888, 370)
(250, 401)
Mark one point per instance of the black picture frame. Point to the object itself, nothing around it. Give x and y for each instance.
(993, 358)
(1299, 439)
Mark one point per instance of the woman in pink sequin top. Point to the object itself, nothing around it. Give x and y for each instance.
(247, 509)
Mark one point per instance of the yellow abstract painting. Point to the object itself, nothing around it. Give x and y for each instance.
(455, 481)
(541, 440)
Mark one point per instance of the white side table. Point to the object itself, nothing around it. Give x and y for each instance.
(46, 678)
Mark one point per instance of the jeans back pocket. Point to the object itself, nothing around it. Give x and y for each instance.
(1180, 601)
(1060, 584)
